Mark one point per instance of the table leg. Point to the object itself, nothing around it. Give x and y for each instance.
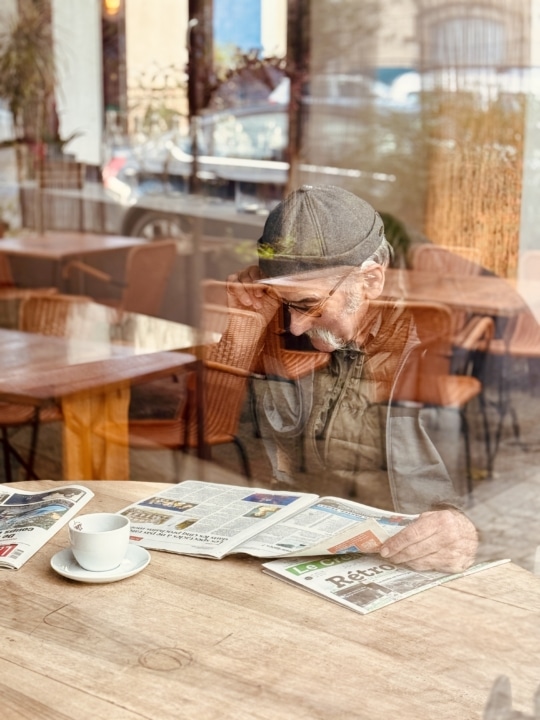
(95, 441)
(203, 451)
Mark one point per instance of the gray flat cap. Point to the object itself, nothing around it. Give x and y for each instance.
(316, 227)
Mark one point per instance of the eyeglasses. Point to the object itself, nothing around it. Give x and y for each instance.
(315, 311)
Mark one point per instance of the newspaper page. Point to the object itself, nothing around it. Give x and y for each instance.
(208, 519)
(330, 526)
(363, 583)
(29, 519)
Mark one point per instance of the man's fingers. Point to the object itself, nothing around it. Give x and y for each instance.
(421, 530)
(245, 289)
(242, 293)
(444, 540)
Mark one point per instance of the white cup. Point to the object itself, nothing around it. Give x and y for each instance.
(99, 541)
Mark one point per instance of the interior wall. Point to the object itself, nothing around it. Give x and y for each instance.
(77, 43)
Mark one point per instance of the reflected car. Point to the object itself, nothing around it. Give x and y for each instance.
(239, 167)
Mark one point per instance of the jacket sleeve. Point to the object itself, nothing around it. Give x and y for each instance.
(419, 478)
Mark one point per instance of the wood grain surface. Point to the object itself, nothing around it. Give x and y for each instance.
(195, 638)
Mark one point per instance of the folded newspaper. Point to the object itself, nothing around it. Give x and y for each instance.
(29, 519)
(213, 520)
(361, 582)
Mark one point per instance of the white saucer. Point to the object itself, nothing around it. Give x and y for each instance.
(136, 559)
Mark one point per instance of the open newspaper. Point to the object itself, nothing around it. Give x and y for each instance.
(29, 519)
(361, 582)
(213, 520)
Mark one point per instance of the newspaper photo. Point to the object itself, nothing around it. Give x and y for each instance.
(208, 519)
(213, 520)
(29, 519)
(328, 526)
(363, 583)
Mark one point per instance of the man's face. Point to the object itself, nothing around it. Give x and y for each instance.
(330, 310)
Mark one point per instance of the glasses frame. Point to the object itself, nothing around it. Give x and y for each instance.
(315, 311)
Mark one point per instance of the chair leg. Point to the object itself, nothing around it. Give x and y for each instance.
(33, 447)
(243, 457)
(253, 409)
(487, 436)
(30, 473)
(468, 468)
(6, 449)
(10, 450)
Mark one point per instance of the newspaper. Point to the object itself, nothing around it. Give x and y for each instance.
(362, 583)
(213, 520)
(29, 519)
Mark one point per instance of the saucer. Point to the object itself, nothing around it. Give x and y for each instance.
(136, 559)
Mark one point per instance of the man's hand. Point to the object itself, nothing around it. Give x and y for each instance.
(443, 540)
(245, 292)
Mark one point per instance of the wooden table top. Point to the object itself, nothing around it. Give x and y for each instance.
(530, 292)
(35, 368)
(195, 638)
(64, 245)
(484, 294)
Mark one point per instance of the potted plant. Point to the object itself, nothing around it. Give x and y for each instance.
(28, 77)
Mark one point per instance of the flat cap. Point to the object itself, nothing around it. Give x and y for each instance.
(318, 226)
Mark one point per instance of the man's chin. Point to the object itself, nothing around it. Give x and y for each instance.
(323, 344)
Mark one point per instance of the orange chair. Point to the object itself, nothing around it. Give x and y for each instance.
(142, 289)
(227, 366)
(46, 314)
(11, 295)
(429, 380)
(275, 361)
(522, 340)
(49, 314)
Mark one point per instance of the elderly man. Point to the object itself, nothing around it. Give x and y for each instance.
(322, 260)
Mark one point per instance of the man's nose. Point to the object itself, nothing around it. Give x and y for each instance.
(299, 322)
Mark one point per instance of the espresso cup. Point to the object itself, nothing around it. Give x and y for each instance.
(99, 541)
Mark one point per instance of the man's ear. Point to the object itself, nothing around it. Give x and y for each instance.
(373, 282)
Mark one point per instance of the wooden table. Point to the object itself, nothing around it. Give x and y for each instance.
(92, 379)
(65, 245)
(482, 294)
(194, 638)
(60, 247)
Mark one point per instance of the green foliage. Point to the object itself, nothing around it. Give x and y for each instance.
(27, 69)
(397, 235)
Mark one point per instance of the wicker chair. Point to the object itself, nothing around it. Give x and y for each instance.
(429, 380)
(147, 271)
(227, 366)
(47, 315)
(11, 295)
(471, 334)
(275, 360)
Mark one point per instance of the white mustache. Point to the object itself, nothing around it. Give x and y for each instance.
(328, 337)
